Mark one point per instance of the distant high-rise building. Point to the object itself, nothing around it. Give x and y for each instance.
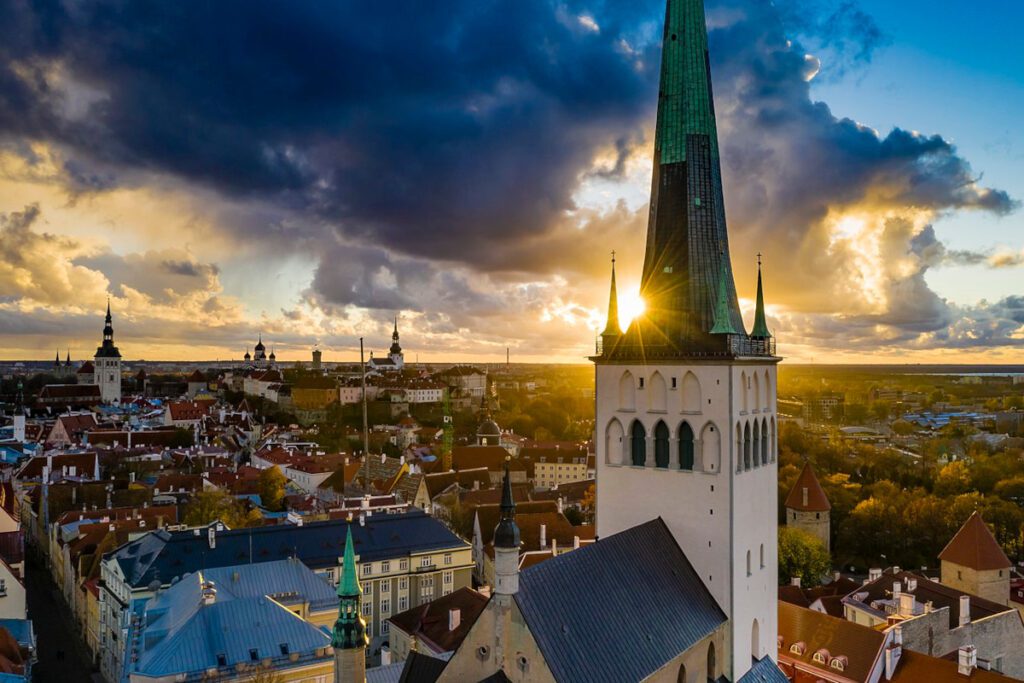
(107, 362)
(317, 356)
(686, 418)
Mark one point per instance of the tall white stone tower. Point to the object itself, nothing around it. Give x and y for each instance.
(108, 365)
(685, 398)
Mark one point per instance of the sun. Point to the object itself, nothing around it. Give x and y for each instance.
(631, 305)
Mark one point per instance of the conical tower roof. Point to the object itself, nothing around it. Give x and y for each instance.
(612, 329)
(807, 494)
(760, 330)
(975, 547)
(348, 586)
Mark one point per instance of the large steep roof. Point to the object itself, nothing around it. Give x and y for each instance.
(974, 546)
(807, 494)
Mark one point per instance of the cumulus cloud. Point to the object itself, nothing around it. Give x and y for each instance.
(435, 161)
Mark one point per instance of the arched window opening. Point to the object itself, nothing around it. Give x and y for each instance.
(755, 641)
(638, 444)
(710, 444)
(757, 392)
(712, 673)
(746, 446)
(764, 442)
(657, 397)
(613, 443)
(661, 435)
(748, 564)
(691, 393)
(746, 391)
(739, 448)
(627, 392)
(681, 677)
(756, 445)
(686, 447)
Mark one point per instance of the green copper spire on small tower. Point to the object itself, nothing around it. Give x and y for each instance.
(723, 319)
(350, 628)
(760, 330)
(612, 329)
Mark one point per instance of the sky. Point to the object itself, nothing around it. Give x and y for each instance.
(309, 171)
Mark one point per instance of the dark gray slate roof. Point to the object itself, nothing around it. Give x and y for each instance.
(421, 669)
(764, 671)
(163, 555)
(619, 609)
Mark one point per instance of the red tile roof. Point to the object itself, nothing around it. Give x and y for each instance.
(430, 622)
(807, 494)
(974, 546)
(813, 631)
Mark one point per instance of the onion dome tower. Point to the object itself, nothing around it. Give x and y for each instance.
(506, 542)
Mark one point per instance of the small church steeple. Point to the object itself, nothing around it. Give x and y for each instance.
(506, 542)
(613, 329)
(760, 330)
(349, 637)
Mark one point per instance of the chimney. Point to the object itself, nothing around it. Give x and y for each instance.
(874, 574)
(543, 535)
(554, 547)
(967, 660)
(454, 619)
(896, 589)
(911, 584)
(893, 653)
(211, 535)
(561, 506)
(795, 581)
(209, 593)
(362, 520)
(965, 610)
(804, 490)
(575, 542)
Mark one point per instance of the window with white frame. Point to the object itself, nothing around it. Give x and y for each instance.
(425, 561)
(385, 627)
(448, 577)
(403, 603)
(403, 565)
(447, 558)
(367, 569)
(385, 586)
(367, 608)
(403, 584)
(385, 567)
(367, 588)
(385, 606)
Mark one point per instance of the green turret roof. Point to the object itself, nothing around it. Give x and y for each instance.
(760, 330)
(723, 318)
(612, 329)
(349, 586)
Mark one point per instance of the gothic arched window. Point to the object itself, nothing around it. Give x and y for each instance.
(638, 444)
(661, 445)
(685, 447)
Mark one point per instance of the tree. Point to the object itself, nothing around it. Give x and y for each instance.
(209, 506)
(271, 486)
(1011, 489)
(953, 479)
(802, 555)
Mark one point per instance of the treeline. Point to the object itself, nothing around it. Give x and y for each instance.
(889, 508)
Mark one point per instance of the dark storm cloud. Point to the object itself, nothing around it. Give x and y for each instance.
(428, 153)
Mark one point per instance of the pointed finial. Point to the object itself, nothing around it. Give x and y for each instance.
(613, 329)
(760, 330)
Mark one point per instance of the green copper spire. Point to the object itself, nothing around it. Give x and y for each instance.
(612, 329)
(723, 320)
(685, 103)
(760, 330)
(350, 628)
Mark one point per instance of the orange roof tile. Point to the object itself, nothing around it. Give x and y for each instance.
(974, 546)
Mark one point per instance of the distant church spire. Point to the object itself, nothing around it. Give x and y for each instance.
(612, 329)
(506, 542)
(349, 637)
(760, 330)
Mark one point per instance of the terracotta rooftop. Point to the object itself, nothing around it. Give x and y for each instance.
(807, 494)
(915, 667)
(813, 631)
(430, 622)
(975, 547)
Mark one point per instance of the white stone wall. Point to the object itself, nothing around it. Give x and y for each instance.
(722, 509)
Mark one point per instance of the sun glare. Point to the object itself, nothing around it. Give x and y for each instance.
(630, 306)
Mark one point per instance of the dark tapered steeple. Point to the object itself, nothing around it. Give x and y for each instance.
(395, 346)
(612, 329)
(506, 534)
(107, 349)
(687, 256)
(760, 330)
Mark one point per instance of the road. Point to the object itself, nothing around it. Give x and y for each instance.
(62, 654)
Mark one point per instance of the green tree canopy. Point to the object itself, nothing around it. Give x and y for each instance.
(802, 555)
(271, 486)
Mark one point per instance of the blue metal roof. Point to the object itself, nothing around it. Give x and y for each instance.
(764, 671)
(21, 630)
(617, 610)
(162, 555)
(177, 633)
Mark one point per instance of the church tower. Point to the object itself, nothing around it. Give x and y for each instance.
(108, 364)
(685, 400)
(395, 352)
(349, 638)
